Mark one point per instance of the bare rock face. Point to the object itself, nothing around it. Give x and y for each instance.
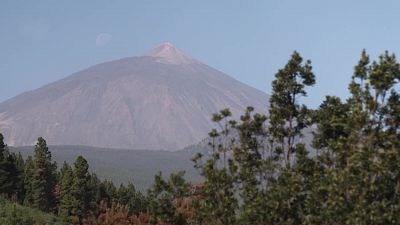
(163, 100)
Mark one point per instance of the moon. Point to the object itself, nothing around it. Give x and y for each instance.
(103, 39)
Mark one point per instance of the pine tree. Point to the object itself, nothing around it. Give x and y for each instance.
(218, 204)
(10, 175)
(129, 196)
(358, 143)
(256, 166)
(66, 195)
(20, 176)
(2, 147)
(94, 185)
(5, 184)
(164, 196)
(287, 118)
(44, 178)
(108, 192)
(14, 176)
(80, 189)
(28, 178)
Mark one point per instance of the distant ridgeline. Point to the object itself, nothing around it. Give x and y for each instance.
(262, 174)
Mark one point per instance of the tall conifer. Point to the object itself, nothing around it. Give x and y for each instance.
(287, 118)
(44, 178)
(66, 195)
(80, 188)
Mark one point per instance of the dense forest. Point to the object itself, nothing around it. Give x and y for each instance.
(259, 172)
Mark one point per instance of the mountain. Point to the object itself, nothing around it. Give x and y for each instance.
(160, 101)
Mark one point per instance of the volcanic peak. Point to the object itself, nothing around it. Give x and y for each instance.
(169, 54)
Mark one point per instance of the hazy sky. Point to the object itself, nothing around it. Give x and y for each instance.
(43, 41)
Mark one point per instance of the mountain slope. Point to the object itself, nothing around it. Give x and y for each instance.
(163, 100)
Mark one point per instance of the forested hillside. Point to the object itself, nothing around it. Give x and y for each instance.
(263, 176)
(123, 166)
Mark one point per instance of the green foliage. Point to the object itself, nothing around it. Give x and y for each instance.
(244, 181)
(73, 193)
(15, 214)
(287, 118)
(19, 177)
(67, 200)
(44, 178)
(164, 195)
(352, 179)
(129, 196)
(80, 193)
(28, 175)
(359, 143)
(218, 204)
(11, 175)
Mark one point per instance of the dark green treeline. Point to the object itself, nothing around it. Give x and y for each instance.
(71, 192)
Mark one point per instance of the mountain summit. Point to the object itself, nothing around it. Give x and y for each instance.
(168, 53)
(163, 100)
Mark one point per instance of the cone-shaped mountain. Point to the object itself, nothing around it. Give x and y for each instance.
(163, 100)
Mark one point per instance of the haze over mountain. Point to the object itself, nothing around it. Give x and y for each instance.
(163, 100)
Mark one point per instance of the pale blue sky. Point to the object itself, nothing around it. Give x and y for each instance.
(42, 41)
